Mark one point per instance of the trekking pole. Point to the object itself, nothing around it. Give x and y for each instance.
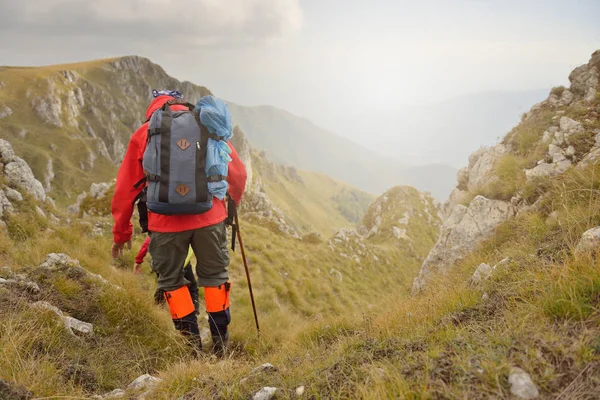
(239, 236)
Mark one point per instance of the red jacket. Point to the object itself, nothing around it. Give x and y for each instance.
(131, 172)
(143, 251)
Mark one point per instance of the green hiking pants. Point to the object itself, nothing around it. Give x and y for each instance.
(169, 251)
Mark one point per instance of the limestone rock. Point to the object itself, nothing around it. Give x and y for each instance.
(570, 126)
(22, 283)
(56, 259)
(5, 205)
(13, 195)
(49, 109)
(69, 322)
(5, 112)
(549, 170)
(7, 153)
(145, 381)
(462, 232)
(18, 172)
(521, 384)
(481, 163)
(567, 97)
(98, 190)
(266, 367)
(590, 158)
(590, 240)
(40, 212)
(482, 272)
(456, 197)
(76, 208)
(265, 393)
(258, 204)
(400, 233)
(585, 79)
(556, 153)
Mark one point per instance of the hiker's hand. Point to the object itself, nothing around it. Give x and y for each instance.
(137, 268)
(117, 248)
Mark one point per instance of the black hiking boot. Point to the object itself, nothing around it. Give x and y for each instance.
(219, 346)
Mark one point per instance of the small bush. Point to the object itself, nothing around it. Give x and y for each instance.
(558, 90)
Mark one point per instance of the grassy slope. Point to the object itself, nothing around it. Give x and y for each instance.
(294, 288)
(314, 202)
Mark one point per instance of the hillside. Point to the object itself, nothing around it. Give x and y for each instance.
(93, 327)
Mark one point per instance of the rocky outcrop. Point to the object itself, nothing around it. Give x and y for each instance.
(462, 232)
(560, 150)
(585, 80)
(18, 173)
(392, 215)
(481, 164)
(258, 205)
(97, 191)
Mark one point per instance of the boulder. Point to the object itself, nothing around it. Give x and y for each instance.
(145, 381)
(585, 79)
(521, 384)
(18, 173)
(462, 232)
(569, 126)
(7, 153)
(567, 97)
(481, 163)
(5, 205)
(590, 240)
(482, 272)
(69, 322)
(265, 393)
(13, 195)
(548, 170)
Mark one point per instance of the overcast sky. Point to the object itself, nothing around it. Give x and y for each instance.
(323, 59)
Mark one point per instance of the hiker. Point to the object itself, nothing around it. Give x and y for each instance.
(187, 269)
(186, 205)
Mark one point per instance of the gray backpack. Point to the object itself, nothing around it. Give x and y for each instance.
(175, 162)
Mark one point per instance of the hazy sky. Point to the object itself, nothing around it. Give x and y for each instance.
(323, 59)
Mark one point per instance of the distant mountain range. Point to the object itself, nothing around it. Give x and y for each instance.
(292, 140)
(444, 132)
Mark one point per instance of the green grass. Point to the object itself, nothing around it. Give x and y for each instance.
(312, 201)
